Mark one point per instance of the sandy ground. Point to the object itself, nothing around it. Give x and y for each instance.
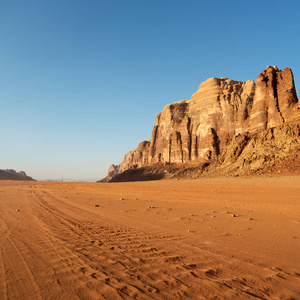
(224, 238)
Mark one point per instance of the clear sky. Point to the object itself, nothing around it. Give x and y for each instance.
(81, 81)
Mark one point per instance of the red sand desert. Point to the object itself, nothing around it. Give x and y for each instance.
(221, 238)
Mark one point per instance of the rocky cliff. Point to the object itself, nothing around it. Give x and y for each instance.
(198, 130)
(10, 174)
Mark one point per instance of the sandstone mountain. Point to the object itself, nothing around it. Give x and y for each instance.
(227, 126)
(10, 174)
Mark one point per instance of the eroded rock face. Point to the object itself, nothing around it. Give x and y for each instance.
(253, 152)
(275, 98)
(200, 128)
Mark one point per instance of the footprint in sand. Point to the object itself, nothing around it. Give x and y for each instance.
(212, 273)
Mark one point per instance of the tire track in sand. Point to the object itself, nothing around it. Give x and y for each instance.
(3, 238)
(106, 258)
(124, 256)
(30, 277)
(3, 292)
(78, 262)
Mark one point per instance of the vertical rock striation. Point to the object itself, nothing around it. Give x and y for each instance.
(275, 98)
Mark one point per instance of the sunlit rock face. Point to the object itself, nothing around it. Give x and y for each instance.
(275, 98)
(198, 128)
(221, 108)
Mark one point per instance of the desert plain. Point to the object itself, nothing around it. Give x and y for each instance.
(210, 238)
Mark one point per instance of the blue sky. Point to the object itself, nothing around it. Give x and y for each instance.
(82, 81)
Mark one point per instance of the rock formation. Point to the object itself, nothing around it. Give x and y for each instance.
(10, 174)
(198, 130)
(275, 98)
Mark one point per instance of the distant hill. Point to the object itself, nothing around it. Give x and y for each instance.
(10, 174)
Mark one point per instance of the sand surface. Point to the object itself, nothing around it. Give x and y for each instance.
(224, 238)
